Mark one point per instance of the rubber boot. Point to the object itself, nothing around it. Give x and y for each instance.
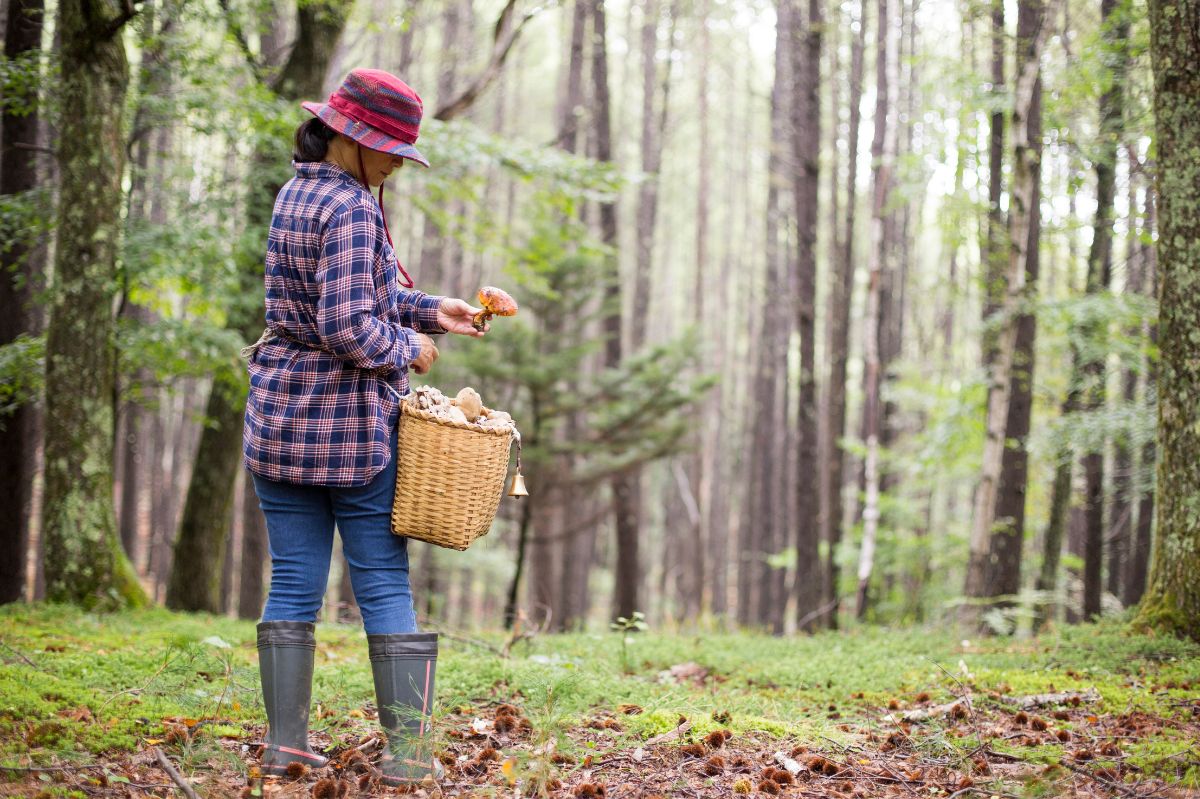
(285, 663)
(404, 666)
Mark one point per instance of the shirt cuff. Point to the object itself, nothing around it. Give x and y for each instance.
(427, 312)
(412, 346)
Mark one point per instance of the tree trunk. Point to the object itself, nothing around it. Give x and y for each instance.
(510, 603)
(571, 108)
(626, 497)
(654, 125)
(841, 294)
(1115, 34)
(756, 594)
(1134, 582)
(20, 274)
(806, 137)
(1123, 505)
(1000, 368)
(83, 560)
(1002, 572)
(254, 555)
(882, 151)
(206, 508)
(200, 547)
(1172, 600)
(995, 250)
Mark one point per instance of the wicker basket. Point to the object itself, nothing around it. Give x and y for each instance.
(449, 478)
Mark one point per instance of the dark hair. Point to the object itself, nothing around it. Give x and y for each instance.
(312, 140)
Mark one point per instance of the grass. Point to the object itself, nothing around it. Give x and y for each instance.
(79, 688)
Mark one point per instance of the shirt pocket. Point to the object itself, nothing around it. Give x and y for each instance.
(387, 284)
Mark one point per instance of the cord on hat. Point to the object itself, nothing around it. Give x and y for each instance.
(362, 170)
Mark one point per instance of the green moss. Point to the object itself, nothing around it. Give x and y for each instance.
(107, 683)
(1160, 612)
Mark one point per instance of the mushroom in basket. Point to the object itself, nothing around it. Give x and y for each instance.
(495, 302)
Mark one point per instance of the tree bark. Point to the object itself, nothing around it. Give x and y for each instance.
(626, 492)
(254, 555)
(841, 294)
(1115, 34)
(1124, 455)
(1172, 599)
(756, 588)
(1134, 582)
(882, 152)
(806, 137)
(84, 562)
(995, 249)
(654, 125)
(699, 466)
(20, 274)
(1002, 574)
(1000, 368)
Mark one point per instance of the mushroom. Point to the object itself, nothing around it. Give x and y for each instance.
(495, 302)
(469, 403)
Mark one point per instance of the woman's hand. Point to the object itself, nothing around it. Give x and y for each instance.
(455, 316)
(429, 354)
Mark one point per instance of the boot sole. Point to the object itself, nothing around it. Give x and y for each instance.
(276, 769)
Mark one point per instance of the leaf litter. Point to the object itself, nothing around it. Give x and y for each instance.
(495, 750)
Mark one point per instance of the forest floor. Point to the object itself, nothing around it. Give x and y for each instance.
(88, 703)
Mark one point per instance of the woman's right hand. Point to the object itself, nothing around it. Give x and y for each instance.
(429, 354)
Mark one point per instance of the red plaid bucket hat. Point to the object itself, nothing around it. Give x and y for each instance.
(377, 110)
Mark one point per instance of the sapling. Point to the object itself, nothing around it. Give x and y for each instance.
(635, 623)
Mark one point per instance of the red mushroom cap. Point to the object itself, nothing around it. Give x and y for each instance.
(497, 301)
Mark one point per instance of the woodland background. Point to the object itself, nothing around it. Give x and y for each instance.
(832, 312)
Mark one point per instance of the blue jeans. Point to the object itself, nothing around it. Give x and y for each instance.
(300, 524)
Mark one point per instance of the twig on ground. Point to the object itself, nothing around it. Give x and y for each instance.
(171, 659)
(174, 774)
(978, 789)
(463, 639)
(965, 697)
(1059, 698)
(19, 654)
(670, 735)
(924, 714)
(1107, 783)
(368, 746)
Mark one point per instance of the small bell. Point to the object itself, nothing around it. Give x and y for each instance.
(517, 487)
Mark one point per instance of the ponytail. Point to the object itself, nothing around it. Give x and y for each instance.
(312, 141)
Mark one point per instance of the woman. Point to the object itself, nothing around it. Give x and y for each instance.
(320, 429)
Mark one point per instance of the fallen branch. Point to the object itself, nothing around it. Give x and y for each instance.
(924, 714)
(670, 735)
(1060, 698)
(174, 774)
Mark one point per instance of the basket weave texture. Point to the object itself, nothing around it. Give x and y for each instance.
(449, 478)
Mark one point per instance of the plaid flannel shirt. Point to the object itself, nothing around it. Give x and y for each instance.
(324, 390)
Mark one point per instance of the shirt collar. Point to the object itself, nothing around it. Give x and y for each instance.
(321, 169)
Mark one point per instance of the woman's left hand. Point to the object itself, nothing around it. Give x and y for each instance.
(455, 316)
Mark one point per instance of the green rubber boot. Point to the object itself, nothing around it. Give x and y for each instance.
(404, 666)
(285, 664)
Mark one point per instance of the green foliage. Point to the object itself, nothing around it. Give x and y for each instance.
(20, 80)
(624, 627)
(25, 220)
(21, 372)
(538, 365)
